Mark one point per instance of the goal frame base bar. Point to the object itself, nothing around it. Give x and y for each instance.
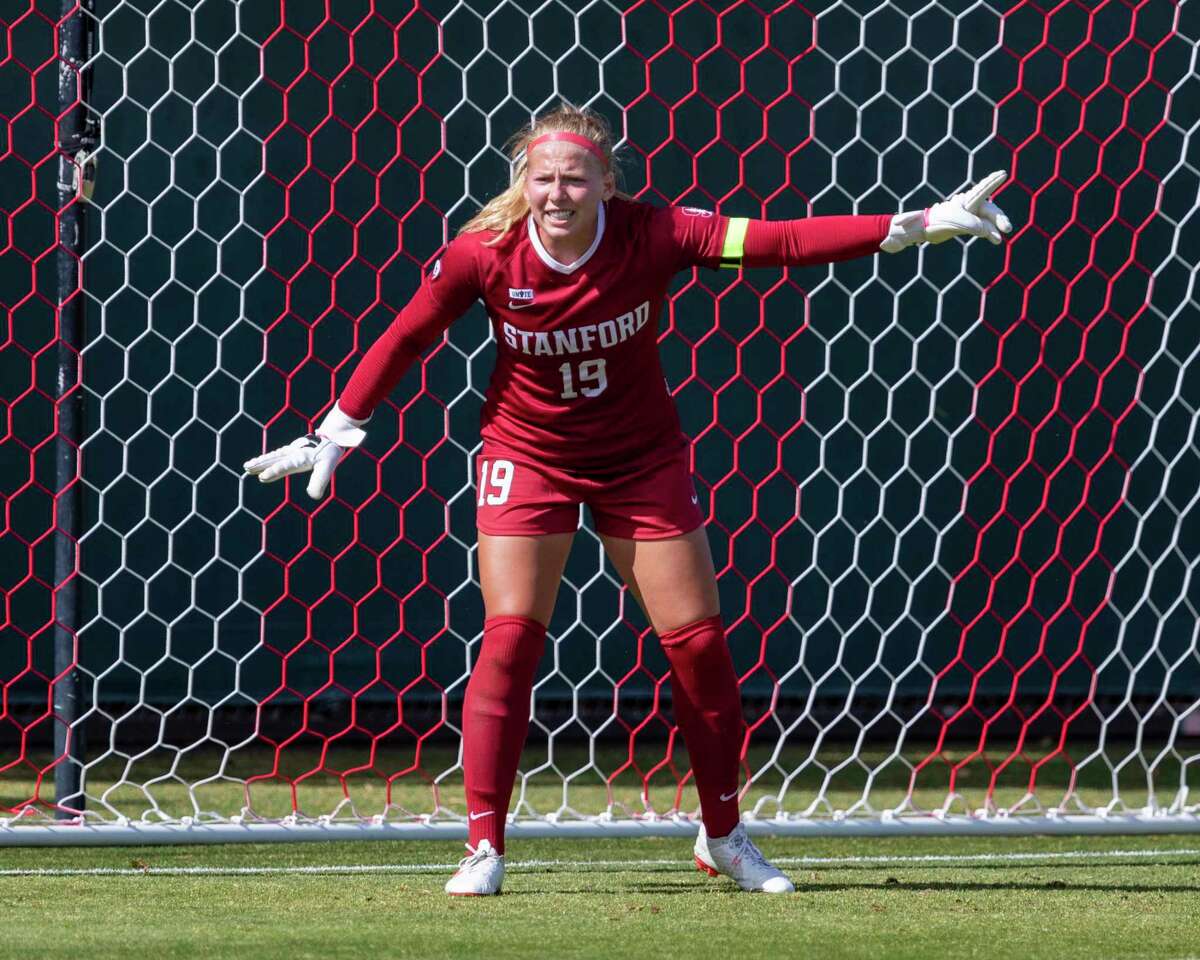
(150, 834)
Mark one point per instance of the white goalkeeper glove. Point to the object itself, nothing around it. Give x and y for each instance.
(970, 214)
(318, 452)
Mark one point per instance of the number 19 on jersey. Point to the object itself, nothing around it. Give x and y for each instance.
(590, 372)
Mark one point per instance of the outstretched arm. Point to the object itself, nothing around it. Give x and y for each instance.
(418, 325)
(444, 294)
(793, 243)
(800, 243)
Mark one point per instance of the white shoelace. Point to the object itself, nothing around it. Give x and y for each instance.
(747, 851)
(472, 858)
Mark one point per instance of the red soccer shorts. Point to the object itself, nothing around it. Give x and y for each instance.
(652, 501)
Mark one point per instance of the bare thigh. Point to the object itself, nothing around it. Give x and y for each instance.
(672, 579)
(519, 576)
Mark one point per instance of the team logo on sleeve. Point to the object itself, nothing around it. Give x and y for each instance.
(696, 212)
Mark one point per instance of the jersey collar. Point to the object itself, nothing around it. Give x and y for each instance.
(564, 267)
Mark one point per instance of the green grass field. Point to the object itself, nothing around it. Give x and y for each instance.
(1021, 898)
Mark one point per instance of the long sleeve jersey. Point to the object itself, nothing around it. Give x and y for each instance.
(578, 383)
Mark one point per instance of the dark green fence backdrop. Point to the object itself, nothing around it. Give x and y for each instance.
(265, 203)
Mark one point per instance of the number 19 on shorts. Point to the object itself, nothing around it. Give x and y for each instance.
(495, 481)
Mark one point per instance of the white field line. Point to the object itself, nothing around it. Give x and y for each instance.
(535, 865)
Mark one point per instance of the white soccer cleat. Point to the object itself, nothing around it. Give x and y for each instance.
(480, 873)
(737, 857)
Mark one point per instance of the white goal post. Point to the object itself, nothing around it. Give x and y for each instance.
(952, 496)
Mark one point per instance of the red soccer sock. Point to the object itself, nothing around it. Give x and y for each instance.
(496, 720)
(708, 709)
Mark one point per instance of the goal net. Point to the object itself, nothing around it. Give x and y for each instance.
(952, 494)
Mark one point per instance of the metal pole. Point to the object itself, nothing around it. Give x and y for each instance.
(77, 136)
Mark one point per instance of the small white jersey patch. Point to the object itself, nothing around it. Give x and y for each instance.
(437, 269)
(520, 293)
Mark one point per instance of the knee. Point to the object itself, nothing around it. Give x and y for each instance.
(690, 603)
(514, 606)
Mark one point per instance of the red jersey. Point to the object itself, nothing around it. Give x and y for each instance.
(578, 384)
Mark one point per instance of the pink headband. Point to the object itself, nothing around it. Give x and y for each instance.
(564, 137)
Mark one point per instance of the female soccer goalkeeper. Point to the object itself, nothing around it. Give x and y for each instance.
(573, 275)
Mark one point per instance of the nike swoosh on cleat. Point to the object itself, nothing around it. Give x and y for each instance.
(729, 796)
(519, 306)
(480, 816)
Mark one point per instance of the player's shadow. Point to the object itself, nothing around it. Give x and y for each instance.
(803, 887)
(1115, 862)
(1000, 885)
(624, 889)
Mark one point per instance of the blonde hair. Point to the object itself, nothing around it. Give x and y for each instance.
(507, 209)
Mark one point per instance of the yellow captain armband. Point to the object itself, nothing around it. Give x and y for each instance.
(735, 241)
